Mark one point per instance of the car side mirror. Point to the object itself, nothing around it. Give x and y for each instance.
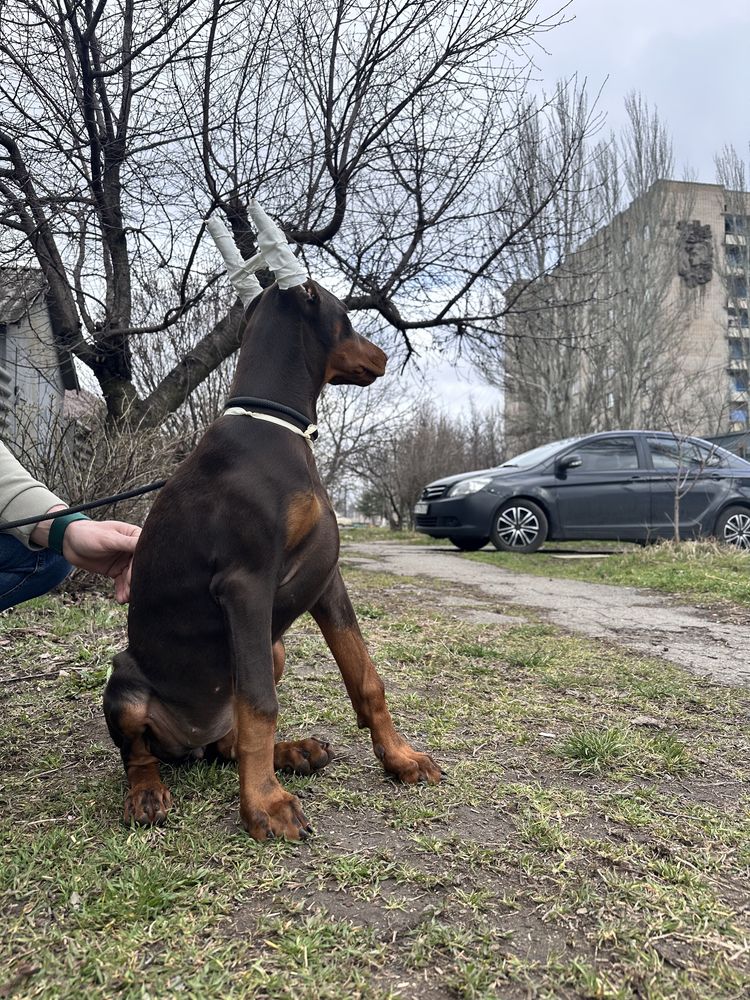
(568, 462)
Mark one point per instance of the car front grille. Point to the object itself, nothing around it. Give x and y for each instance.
(433, 492)
(426, 522)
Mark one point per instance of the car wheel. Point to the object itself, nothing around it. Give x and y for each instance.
(519, 526)
(733, 527)
(469, 544)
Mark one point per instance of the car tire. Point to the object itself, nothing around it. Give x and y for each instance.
(733, 528)
(469, 544)
(519, 526)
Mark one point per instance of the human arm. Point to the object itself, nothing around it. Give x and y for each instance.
(104, 547)
(97, 546)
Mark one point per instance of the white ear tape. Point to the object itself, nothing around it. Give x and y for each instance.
(240, 272)
(275, 249)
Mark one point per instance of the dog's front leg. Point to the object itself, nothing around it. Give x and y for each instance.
(266, 809)
(338, 623)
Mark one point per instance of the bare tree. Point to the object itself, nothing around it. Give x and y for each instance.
(382, 135)
(551, 320)
(351, 425)
(597, 343)
(430, 444)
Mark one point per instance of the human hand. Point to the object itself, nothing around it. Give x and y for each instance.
(103, 547)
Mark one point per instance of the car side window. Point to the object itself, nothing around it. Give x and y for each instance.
(670, 454)
(710, 457)
(607, 455)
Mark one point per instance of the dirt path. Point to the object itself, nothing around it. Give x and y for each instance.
(641, 620)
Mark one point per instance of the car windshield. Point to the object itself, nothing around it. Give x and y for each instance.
(529, 458)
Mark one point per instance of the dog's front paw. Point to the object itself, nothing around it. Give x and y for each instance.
(408, 765)
(148, 805)
(280, 815)
(302, 756)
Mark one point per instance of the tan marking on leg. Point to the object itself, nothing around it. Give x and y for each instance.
(302, 514)
(225, 746)
(148, 800)
(265, 808)
(279, 659)
(367, 693)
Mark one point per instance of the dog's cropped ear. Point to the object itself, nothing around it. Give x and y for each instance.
(306, 293)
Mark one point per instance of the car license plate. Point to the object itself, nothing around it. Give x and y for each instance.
(421, 508)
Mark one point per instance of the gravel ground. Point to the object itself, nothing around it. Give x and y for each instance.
(640, 620)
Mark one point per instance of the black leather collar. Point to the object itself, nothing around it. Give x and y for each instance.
(255, 403)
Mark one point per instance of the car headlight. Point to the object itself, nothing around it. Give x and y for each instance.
(468, 486)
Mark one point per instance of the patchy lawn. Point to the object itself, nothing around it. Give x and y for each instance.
(591, 838)
(698, 571)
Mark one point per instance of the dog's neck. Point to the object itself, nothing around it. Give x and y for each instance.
(281, 364)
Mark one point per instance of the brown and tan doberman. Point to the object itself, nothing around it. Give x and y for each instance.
(240, 542)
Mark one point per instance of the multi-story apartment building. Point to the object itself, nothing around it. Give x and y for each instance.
(646, 324)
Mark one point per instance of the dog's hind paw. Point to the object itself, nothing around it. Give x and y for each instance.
(147, 806)
(302, 756)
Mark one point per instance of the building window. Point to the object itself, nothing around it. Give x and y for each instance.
(736, 256)
(737, 286)
(737, 319)
(735, 225)
(739, 381)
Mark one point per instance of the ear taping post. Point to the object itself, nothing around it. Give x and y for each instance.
(275, 249)
(240, 272)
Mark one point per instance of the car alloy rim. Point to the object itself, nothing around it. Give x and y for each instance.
(517, 527)
(737, 531)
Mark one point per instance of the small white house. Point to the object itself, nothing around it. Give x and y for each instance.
(34, 372)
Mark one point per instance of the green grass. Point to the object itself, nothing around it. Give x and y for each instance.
(700, 571)
(572, 850)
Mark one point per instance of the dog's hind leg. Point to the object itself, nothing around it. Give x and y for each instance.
(293, 756)
(297, 756)
(338, 623)
(266, 809)
(126, 710)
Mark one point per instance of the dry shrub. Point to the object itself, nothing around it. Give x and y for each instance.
(89, 459)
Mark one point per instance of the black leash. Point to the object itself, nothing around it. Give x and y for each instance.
(264, 404)
(7, 525)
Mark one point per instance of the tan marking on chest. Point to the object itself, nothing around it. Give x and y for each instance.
(302, 514)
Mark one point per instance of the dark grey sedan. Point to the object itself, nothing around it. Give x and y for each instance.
(624, 485)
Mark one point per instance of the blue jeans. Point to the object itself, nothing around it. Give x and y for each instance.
(25, 573)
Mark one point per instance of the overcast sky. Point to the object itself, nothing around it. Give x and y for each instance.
(689, 58)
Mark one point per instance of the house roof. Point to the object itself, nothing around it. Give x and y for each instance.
(19, 290)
